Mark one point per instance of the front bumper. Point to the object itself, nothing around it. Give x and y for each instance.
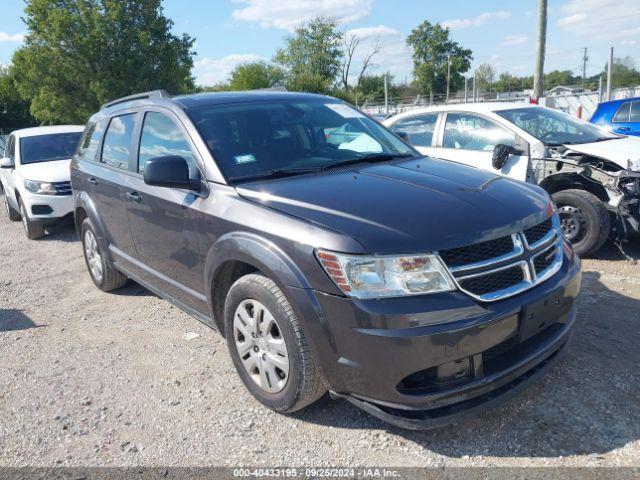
(47, 209)
(422, 362)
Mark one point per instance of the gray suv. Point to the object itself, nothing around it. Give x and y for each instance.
(330, 254)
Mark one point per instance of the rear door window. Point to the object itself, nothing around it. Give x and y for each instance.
(118, 141)
(635, 112)
(419, 128)
(161, 137)
(622, 115)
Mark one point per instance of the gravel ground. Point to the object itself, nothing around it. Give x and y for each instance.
(90, 378)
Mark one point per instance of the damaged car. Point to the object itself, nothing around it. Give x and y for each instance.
(592, 175)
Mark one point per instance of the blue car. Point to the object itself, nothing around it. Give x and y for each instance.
(619, 116)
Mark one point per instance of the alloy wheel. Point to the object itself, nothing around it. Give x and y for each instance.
(261, 346)
(92, 252)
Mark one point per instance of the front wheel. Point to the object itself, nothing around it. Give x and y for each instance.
(584, 220)
(12, 213)
(268, 346)
(34, 231)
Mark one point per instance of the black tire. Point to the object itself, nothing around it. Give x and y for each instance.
(110, 278)
(12, 213)
(34, 231)
(304, 384)
(585, 220)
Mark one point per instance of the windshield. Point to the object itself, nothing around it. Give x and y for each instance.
(258, 139)
(47, 148)
(553, 127)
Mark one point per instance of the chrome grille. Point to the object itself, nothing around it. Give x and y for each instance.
(62, 188)
(506, 266)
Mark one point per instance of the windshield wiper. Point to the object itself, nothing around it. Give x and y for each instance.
(368, 158)
(276, 173)
(289, 172)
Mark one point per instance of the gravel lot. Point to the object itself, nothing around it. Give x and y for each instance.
(90, 378)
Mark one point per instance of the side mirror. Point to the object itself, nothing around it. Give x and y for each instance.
(404, 136)
(6, 162)
(501, 154)
(171, 171)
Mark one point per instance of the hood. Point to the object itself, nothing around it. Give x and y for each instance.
(624, 151)
(55, 171)
(411, 206)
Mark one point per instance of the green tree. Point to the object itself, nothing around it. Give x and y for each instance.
(254, 75)
(559, 77)
(372, 87)
(81, 53)
(624, 73)
(14, 111)
(431, 50)
(312, 56)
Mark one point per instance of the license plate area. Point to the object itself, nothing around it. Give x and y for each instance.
(540, 315)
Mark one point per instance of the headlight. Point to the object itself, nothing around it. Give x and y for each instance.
(362, 276)
(41, 188)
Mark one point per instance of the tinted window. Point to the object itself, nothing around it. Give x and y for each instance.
(249, 140)
(162, 137)
(47, 148)
(11, 147)
(90, 142)
(117, 142)
(418, 128)
(466, 131)
(622, 115)
(553, 127)
(635, 112)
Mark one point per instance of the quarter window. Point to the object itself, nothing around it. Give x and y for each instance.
(622, 115)
(90, 142)
(11, 147)
(466, 131)
(635, 112)
(161, 137)
(117, 142)
(419, 128)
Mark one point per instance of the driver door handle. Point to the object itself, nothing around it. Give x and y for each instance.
(92, 181)
(134, 197)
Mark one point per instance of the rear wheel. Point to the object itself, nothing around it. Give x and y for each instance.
(12, 213)
(268, 346)
(34, 231)
(101, 270)
(584, 220)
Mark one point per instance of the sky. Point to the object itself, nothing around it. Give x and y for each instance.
(502, 33)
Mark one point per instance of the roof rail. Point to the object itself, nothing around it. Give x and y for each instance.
(138, 96)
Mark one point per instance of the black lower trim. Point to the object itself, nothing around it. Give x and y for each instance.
(52, 220)
(429, 419)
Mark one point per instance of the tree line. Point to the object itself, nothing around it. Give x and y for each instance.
(79, 54)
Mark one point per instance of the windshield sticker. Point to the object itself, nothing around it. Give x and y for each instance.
(344, 111)
(249, 158)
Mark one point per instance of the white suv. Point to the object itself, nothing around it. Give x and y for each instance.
(35, 176)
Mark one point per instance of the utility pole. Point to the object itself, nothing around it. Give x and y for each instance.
(538, 76)
(475, 90)
(386, 95)
(465, 89)
(609, 74)
(584, 66)
(448, 76)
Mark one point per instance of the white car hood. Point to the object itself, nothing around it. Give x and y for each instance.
(623, 151)
(56, 171)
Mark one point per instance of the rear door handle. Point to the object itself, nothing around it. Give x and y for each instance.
(92, 181)
(134, 197)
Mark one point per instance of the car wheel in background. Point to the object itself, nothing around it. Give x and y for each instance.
(268, 346)
(34, 231)
(584, 220)
(101, 270)
(12, 213)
